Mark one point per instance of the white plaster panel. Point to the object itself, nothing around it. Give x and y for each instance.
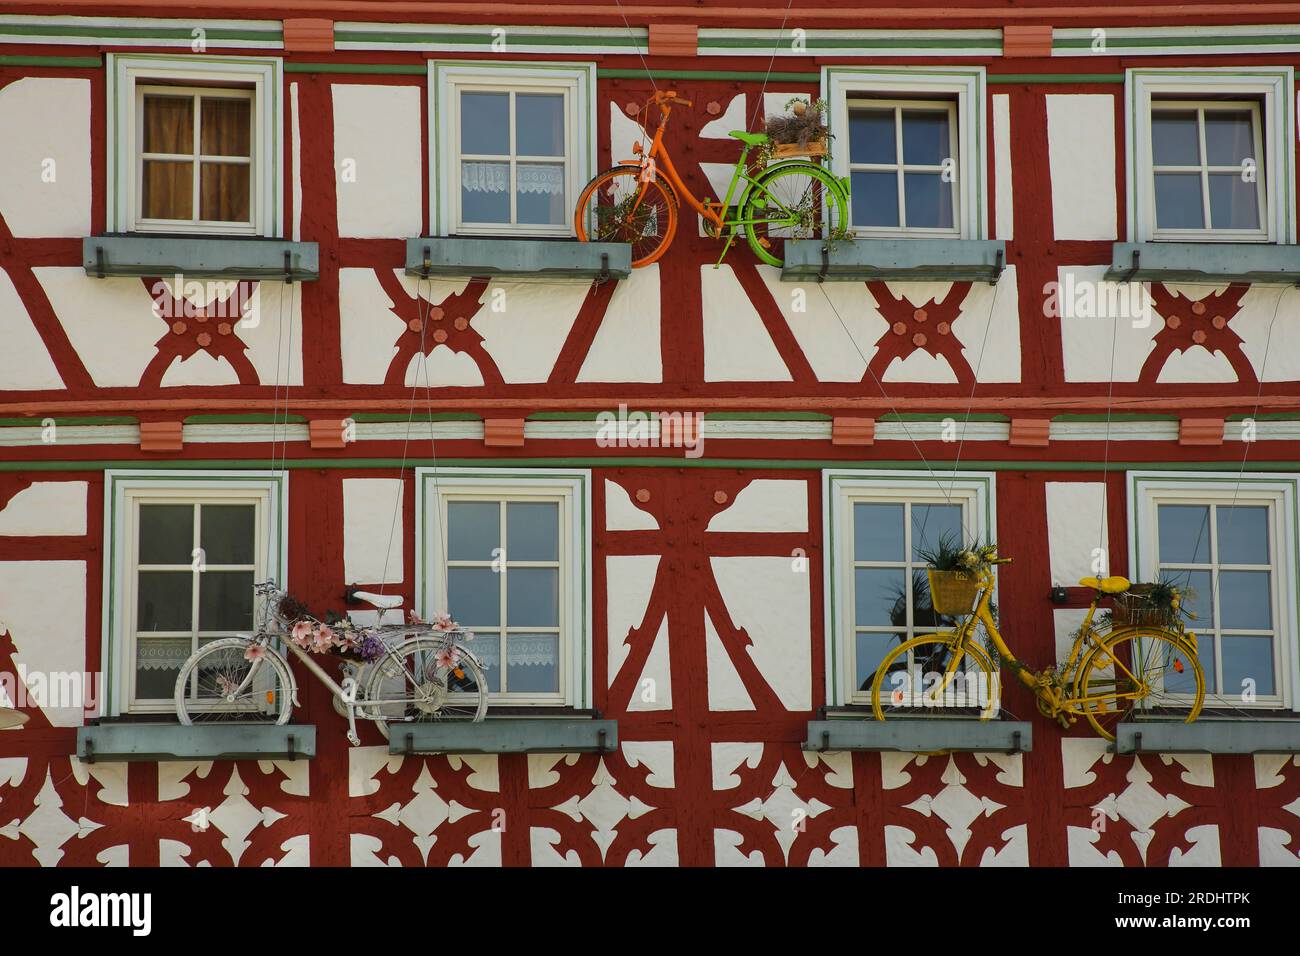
(770, 599)
(836, 324)
(87, 307)
(377, 158)
(621, 514)
(732, 117)
(1075, 527)
(1081, 151)
(369, 329)
(45, 162)
(726, 690)
(526, 336)
(626, 345)
(737, 347)
(654, 688)
(1004, 210)
(371, 554)
(24, 361)
(43, 608)
(629, 581)
(766, 504)
(989, 329)
(46, 507)
(1089, 343)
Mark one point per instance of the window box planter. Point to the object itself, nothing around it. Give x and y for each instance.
(920, 735)
(214, 257)
(957, 260)
(505, 735)
(506, 256)
(153, 742)
(1214, 262)
(1208, 737)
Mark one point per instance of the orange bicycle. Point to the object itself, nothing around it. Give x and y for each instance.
(636, 201)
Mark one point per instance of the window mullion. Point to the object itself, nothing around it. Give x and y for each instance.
(194, 149)
(505, 566)
(899, 158)
(1205, 173)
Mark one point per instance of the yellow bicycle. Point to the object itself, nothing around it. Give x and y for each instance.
(1110, 673)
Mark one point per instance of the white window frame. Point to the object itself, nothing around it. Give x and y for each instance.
(1269, 89)
(964, 89)
(124, 492)
(259, 77)
(435, 487)
(841, 490)
(449, 78)
(1148, 490)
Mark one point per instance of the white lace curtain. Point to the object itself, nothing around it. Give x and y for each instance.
(484, 177)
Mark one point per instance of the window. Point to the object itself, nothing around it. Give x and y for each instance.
(505, 552)
(1210, 157)
(879, 594)
(912, 144)
(901, 162)
(194, 145)
(1232, 544)
(186, 552)
(511, 146)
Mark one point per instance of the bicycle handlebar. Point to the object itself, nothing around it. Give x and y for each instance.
(663, 97)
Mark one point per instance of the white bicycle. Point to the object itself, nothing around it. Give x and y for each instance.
(398, 673)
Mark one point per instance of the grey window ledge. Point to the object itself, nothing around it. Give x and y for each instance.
(920, 735)
(958, 260)
(1209, 737)
(154, 742)
(1217, 262)
(506, 735)
(210, 257)
(489, 256)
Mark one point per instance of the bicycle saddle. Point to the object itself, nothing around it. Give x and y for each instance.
(749, 139)
(386, 601)
(1111, 585)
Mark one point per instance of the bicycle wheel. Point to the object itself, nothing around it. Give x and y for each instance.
(1138, 669)
(219, 684)
(617, 207)
(418, 686)
(793, 201)
(926, 675)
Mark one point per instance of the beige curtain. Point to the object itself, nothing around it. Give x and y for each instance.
(168, 185)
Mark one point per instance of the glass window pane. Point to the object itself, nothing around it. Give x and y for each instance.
(485, 192)
(1198, 595)
(1243, 534)
(932, 524)
(1248, 659)
(1245, 600)
(533, 663)
(533, 597)
(1229, 137)
(925, 137)
(485, 124)
(473, 530)
(1234, 203)
(872, 646)
(226, 601)
(487, 648)
(224, 192)
(474, 597)
(168, 124)
(877, 532)
(226, 533)
(533, 530)
(1178, 201)
(167, 190)
(875, 198)
(163, 600)
(166, 534)
(872, 136)
(1175, 139)
(1184, 534)
(878, 593)
(225, 127)
(923, 615)
(1205, 654)
(155, 683)
(929, 201)
(1170, 659)
(539, 195)
(539, 124)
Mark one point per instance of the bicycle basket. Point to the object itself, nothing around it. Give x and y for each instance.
(952, 592)
(1131, 610)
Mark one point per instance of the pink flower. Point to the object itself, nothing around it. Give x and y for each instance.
(443, 622)
(255, 652)
(301, 634)
(415, 618)
(323, 638)
(447, 657)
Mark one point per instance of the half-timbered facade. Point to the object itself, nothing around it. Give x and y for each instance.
(237, 344)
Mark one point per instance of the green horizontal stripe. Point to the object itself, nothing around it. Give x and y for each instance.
(932, 43)
(707, 75)
(388, 69)
(34, 422)
(1077, 43)
(512, 40)
(372, 417)
(1115, 417)
(249, 419)
(142, 33)
(936, 466)
(994, 78)
(91, 62)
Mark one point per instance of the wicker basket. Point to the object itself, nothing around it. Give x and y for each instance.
(815, 149)
(1128, 612)
(952, 592)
